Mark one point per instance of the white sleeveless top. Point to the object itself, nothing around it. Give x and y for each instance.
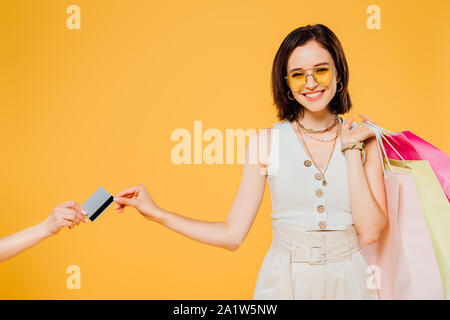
(299, 197)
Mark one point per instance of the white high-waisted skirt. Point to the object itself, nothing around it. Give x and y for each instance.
(314, 265)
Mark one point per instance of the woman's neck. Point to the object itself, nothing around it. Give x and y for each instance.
(317, 120)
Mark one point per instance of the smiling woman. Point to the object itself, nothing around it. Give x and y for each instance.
(322, 74)
(324, 202)
(325, 199)
(310, 59)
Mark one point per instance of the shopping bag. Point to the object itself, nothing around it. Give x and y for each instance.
(404, 254)
(412, 147)
(436, 209)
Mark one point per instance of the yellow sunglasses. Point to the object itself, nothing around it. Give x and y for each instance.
(296, 80)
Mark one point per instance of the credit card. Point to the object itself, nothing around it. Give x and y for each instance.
(97, 203)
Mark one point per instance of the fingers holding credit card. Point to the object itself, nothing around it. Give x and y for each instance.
(139, 198)
(64, 214)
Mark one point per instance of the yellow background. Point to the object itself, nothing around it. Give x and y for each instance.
(96, 107)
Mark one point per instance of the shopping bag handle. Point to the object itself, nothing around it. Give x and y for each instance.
(380, 136)
(383, 136)
(379, 145)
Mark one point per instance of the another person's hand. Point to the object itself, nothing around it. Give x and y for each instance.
(64, 214)
(139, 198)
(359, 133)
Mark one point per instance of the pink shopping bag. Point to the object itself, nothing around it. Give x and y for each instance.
(412, 147)
(404, 254)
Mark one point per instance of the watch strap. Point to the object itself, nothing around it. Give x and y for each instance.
(352, 145)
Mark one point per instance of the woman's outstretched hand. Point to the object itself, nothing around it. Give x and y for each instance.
(139, 198)
(359, 133)
(66, 214)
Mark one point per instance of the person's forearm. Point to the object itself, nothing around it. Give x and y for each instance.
(212, 233)
(367, 214)
(20, 241)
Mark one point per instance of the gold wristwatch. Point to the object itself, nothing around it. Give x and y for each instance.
(352, 145)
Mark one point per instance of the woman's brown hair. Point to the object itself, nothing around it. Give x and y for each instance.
(290, 109)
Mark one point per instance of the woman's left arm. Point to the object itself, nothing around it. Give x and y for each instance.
(366, 184)
(64, 214)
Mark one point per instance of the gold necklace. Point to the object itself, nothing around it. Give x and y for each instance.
(329, 140)
(319, 131)
(324, 182)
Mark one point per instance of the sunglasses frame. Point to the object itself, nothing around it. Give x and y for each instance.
(311, 74)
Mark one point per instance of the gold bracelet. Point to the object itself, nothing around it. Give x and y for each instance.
(352, 145)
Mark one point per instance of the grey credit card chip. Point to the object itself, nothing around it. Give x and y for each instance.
(97, 203)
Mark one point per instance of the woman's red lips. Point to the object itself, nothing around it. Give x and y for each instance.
(319, 94)
(313, 92)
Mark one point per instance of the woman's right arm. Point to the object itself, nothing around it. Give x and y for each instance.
(227, 234)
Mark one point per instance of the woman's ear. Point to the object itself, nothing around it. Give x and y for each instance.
(338, 78)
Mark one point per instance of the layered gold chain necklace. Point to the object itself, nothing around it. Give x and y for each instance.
(336, 118)
(322, 173)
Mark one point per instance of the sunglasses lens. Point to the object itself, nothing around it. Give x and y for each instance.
(323, 75)
(297, 80)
